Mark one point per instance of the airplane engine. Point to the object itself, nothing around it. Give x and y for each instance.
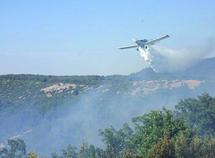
(146, 47)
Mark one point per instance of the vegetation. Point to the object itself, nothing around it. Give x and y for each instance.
(199, 113)
(186, 132)
(19, 90)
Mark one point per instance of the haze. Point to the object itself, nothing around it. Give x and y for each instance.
(82, 37)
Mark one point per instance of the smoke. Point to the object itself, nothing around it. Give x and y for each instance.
(164, 59)
(80, 119)
(77, 121)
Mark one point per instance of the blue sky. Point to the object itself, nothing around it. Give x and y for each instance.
(80, 37)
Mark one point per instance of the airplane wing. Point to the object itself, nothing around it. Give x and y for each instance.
(157, 40)
(127, 47)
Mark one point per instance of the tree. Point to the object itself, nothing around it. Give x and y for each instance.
(199, 113)
(90, 151)
(151, 128)
(117, 141)
(69, 152)
(32, 155)
(163, 149)
(16, 148)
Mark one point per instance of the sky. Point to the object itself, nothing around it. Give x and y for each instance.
(82, 37)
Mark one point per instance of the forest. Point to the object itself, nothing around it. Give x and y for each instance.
(186, 131)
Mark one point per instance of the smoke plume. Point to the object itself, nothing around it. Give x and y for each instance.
(164, 59)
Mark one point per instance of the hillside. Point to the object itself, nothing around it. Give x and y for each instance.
(51, 91)
(74, 104)
(42, 90)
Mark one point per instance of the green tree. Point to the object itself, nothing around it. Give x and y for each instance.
(151, 128)
(117, 141)
(199, 113)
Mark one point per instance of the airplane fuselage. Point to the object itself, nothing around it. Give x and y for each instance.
(141, 44)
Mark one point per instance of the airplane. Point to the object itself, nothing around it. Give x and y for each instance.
(144, 44)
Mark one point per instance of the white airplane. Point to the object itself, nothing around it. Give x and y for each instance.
(143, 45)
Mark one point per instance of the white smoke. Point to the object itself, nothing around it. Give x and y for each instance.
(164, 59)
